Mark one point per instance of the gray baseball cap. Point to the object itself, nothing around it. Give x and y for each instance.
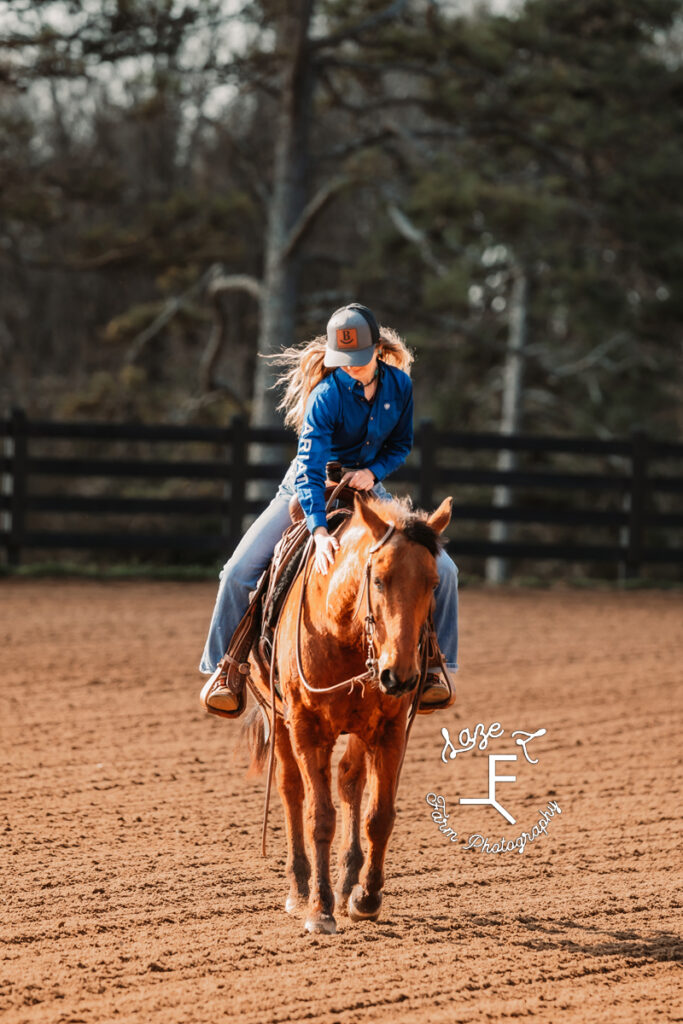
(352, 334)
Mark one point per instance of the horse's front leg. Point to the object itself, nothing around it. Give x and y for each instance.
(291, 790)
(313, 754)
(384, 758)
(350, 782)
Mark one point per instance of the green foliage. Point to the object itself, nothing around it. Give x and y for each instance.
(548, 138)
(449, 291)
(126, 326)
(107, 395)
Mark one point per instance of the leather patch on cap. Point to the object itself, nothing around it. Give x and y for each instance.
(347, 337)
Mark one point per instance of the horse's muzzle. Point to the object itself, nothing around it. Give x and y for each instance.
(392, 685)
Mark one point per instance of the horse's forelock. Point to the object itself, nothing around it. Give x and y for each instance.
(413, 525)
(420, 532)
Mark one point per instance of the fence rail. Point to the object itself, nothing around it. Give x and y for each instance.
(633, 486)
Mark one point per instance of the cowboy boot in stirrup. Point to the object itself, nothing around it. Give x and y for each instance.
(436, 695)
(215, 695)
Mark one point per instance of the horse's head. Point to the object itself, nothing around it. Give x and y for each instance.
(401, 582)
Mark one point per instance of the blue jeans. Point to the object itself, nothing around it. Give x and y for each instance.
(242, 571)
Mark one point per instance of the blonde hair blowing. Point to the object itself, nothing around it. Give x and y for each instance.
(304, 368)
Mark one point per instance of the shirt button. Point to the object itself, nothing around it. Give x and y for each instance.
(367, 442)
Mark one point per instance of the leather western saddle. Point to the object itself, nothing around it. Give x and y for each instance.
(255, 632)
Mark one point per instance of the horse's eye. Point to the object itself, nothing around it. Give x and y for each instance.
(378, 583)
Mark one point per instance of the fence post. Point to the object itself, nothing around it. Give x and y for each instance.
(640, 450)
(427, 442)
(238, 477)
(19, 470)
(6, 489)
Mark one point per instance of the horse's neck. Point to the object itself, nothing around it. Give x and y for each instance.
(334, 598)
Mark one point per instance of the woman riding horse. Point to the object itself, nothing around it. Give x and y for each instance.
(350, 398)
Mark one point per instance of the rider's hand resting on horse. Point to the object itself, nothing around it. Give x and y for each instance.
(325, 544)
(325, 547)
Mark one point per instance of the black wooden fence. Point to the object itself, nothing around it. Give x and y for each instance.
(633, 516)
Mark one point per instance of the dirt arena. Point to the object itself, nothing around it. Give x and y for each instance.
(133, 889)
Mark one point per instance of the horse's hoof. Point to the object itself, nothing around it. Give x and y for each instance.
(293, 904)
(323, 924)
(341, 903)
(362, 907)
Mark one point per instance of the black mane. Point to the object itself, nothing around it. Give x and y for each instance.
(420, 532)
(412, 524)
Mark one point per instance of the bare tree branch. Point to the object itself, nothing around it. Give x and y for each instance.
(234, 283)
(483, 128)
(123, 254)
(311, 211)
(361, 142)
(219, 285)
(197, 403)
(167, 313)
(416, 235)
(364, 25)
(596, 356)
(378, 68)
(251, 175)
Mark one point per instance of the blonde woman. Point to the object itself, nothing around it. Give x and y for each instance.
(349, 396)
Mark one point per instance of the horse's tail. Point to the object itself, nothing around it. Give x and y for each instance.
(253, 731)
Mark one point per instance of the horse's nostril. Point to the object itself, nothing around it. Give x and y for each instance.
(388, 679)
(393, 685)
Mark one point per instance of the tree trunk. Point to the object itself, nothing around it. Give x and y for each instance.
(289, 197)
(511, 411)
(288, 200)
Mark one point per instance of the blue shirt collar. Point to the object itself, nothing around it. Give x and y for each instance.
(355, 385)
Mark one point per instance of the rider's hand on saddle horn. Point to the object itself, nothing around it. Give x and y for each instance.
(360, 479)
(325, 548)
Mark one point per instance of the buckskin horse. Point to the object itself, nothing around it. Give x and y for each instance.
(386, 562)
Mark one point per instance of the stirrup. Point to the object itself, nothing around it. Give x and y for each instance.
(218, 681)
(448, 687)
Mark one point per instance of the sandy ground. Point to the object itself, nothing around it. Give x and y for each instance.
(133, 889)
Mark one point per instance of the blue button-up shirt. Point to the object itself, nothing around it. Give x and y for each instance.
(341, 425)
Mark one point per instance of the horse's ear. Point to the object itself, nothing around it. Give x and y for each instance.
(375, 523)
(440, 519)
